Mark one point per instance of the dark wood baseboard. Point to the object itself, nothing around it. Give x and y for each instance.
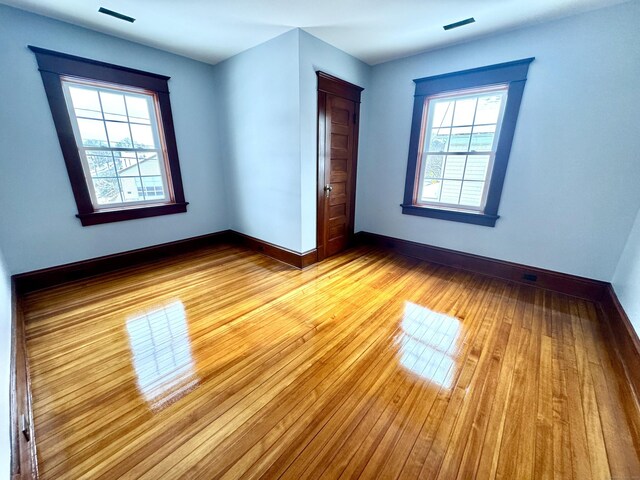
(49, 277)
(308, 258)
(570, 284)
(24, 464)
(295, 259)
(624, 336)
(560, 282)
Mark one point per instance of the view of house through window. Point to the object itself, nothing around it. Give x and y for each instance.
(118, 137)
(459, 144)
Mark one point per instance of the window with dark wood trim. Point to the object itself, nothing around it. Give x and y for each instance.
(116, 133)
(461, 135)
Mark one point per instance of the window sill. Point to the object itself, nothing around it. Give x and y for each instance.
(108, 216)
(453, 215)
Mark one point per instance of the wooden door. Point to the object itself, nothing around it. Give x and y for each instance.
(338, 120)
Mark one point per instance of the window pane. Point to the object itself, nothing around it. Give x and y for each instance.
(442, 113)
(132, 189)
(464, 112)
(489, 108)
(460, 139)
(454, 168)
(86, 101)
(476, 167)
(92, 133)
(138, 109)
(156, 192)
(149, 163)
(153, 181)
(142, 136)
(439, 140)
(107, 190)
(127, 164)
(119, 136)
(431, 190)
(113, 106)
(100, 164)
(153, 187)
(450, 191)
(433, 166)
(471, 194)
(482, 139)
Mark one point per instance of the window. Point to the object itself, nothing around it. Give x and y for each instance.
(115, 129)
(459, 148)
(461, 136)
(118, 138)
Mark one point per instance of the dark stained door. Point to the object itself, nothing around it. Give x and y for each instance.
(338, 119)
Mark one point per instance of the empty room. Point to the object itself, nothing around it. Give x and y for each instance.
(320, 240)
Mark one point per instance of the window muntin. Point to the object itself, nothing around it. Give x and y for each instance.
(459, 139)
(119, 140)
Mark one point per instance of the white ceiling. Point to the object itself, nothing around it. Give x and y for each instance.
(372, 30)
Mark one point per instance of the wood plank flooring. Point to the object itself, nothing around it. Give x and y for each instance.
(224, 363)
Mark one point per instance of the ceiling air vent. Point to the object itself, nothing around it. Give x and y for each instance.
(117, 15)
(461, 23)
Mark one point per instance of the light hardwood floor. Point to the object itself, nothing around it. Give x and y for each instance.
(223, 363)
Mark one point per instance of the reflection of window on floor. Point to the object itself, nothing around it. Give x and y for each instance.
(426, 343)
(161, 351)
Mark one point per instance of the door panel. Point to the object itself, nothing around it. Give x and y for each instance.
(340, 114)
(337, 151)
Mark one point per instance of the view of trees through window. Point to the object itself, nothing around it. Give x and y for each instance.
(117, 136)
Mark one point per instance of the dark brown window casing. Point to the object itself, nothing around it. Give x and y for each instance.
(513, 75)
(53, 66)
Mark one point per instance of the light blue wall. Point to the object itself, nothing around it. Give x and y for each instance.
(570, 195)
(317, 55)
(258, 114)
(626, 281)
(267, 117)
(571, 190)
(5, 351)
(38, 227)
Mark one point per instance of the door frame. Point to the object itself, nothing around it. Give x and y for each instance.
(330, 85)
